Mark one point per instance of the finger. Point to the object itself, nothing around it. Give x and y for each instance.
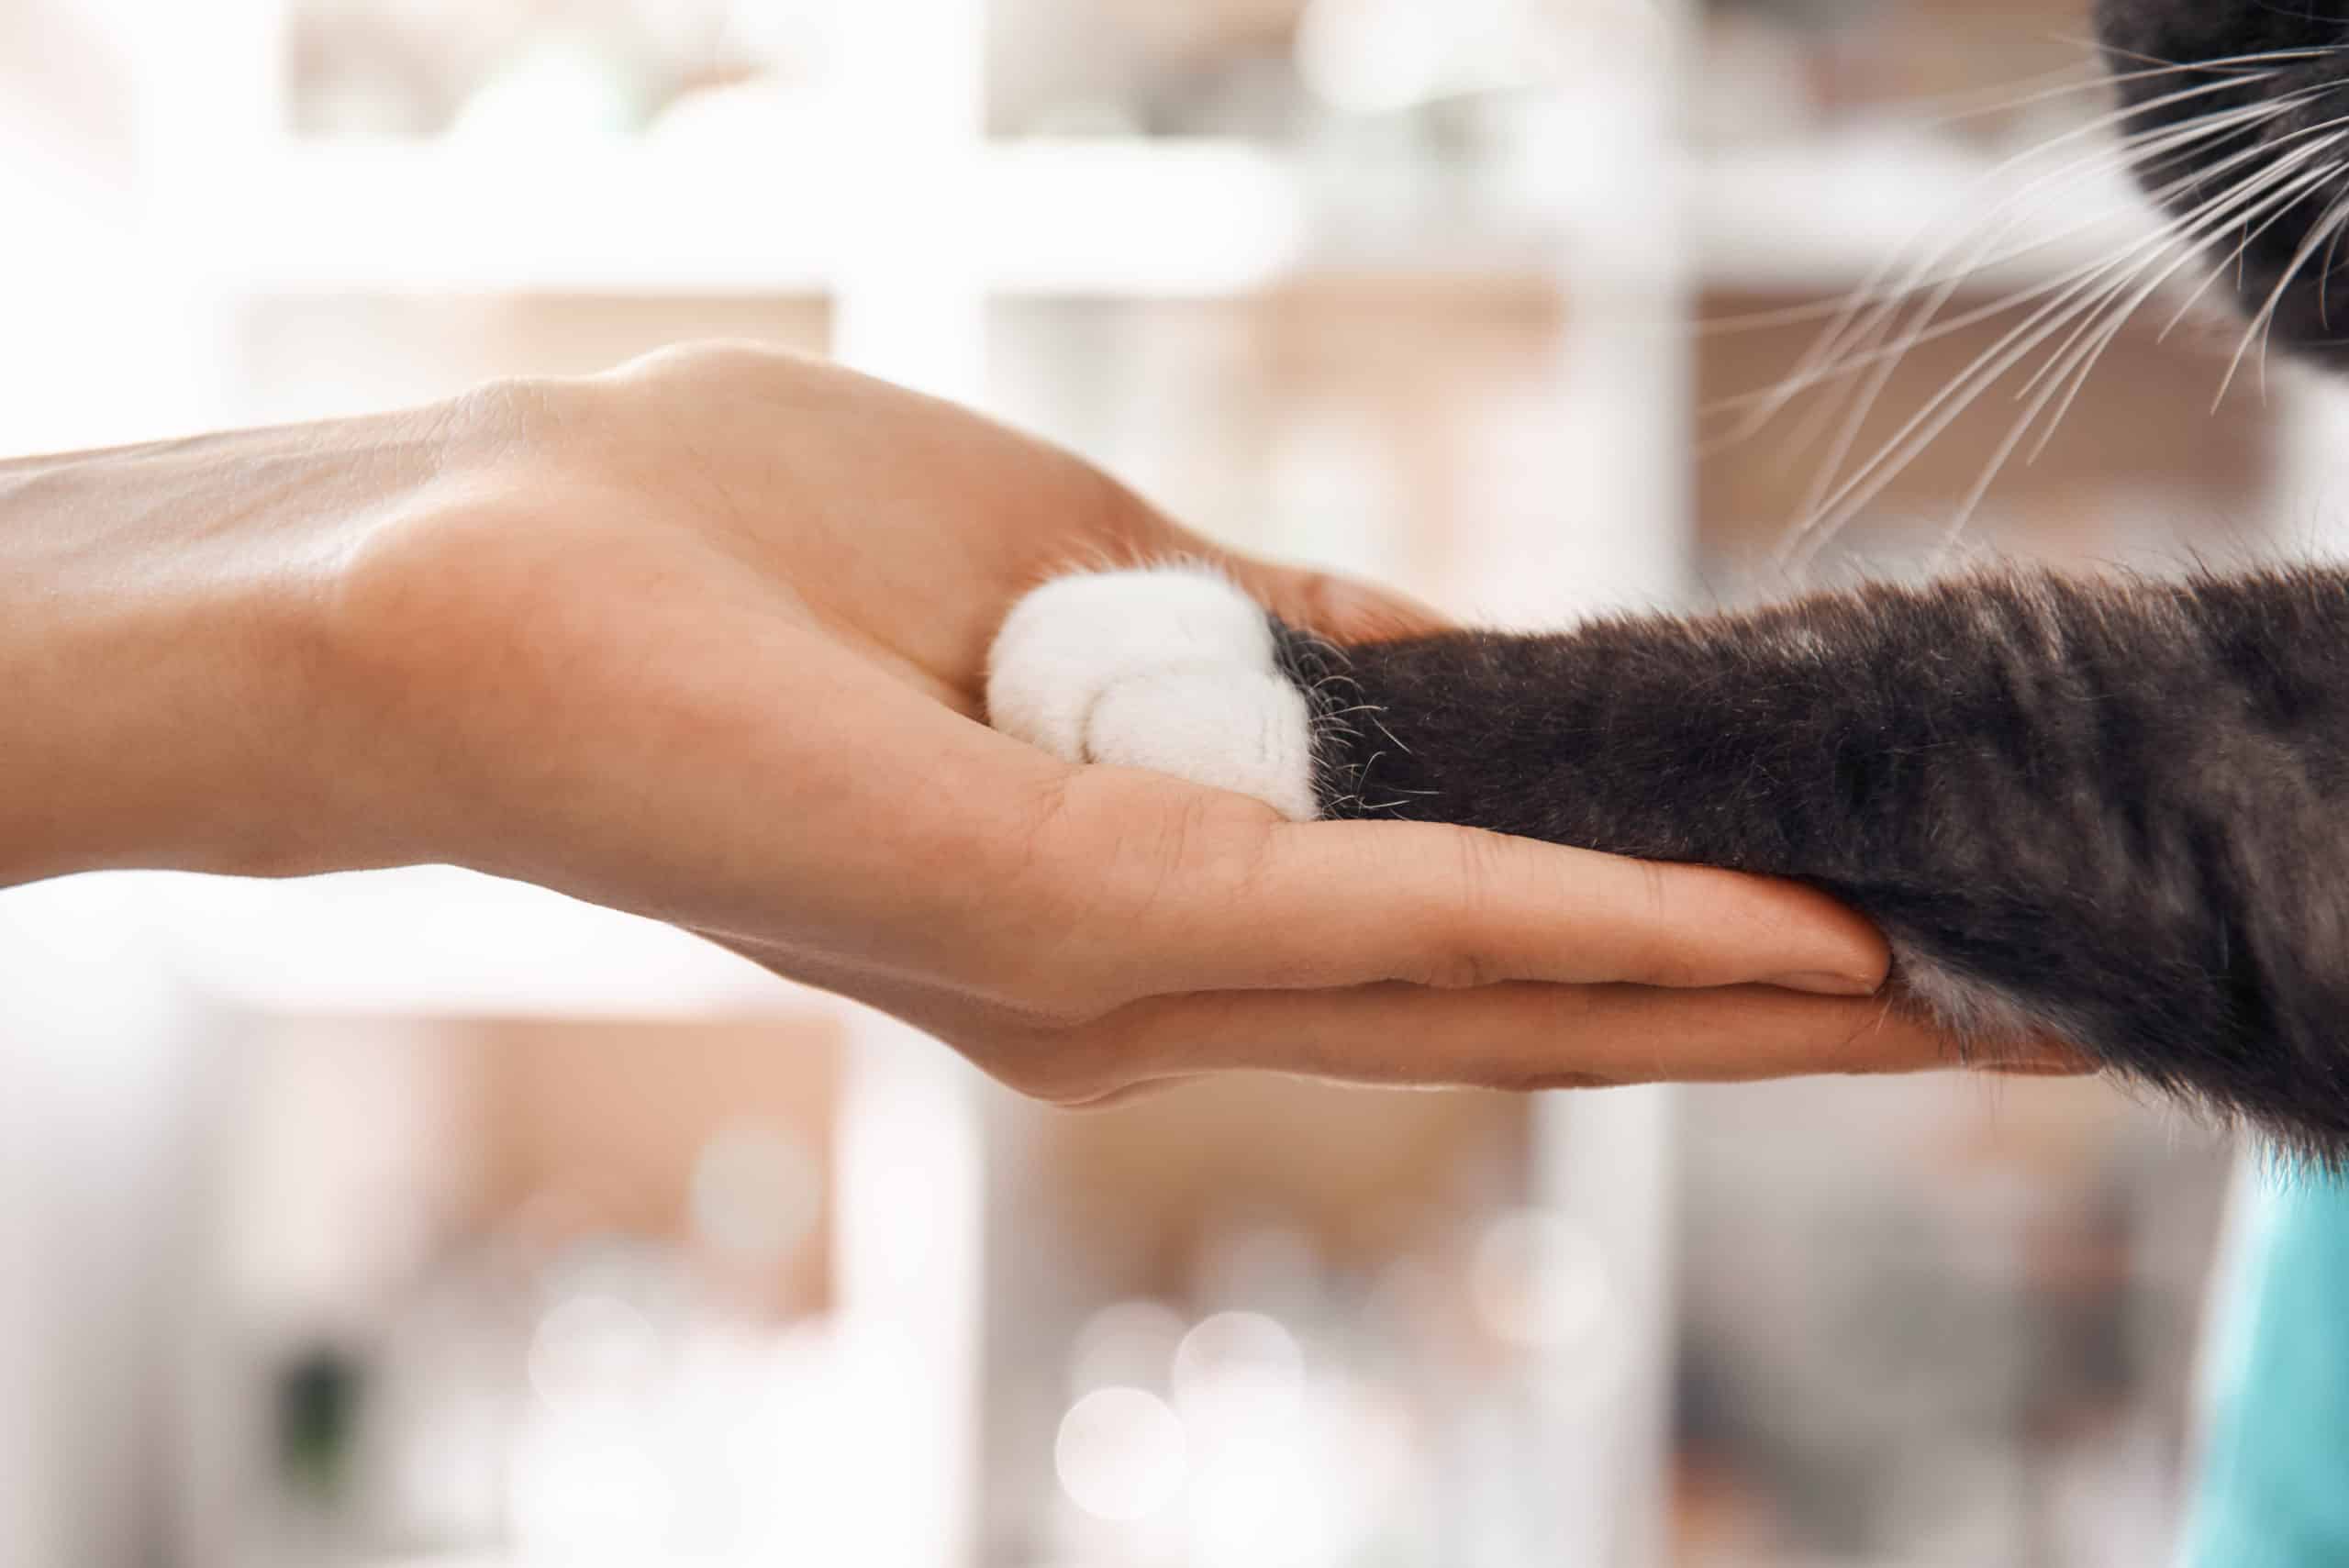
(1229, 899)
(1341, 609)
(2049, 1059)
(1532, 1037)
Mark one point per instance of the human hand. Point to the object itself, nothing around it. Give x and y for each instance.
(704, 639)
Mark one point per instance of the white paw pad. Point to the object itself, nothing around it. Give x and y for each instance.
(1166, 668)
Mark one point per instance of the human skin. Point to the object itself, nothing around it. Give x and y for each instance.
(703, 638)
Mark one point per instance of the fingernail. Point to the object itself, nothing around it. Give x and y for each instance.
(1824, 984)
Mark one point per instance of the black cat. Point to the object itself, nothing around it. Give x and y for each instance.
(2113, 810)
(2277, 73)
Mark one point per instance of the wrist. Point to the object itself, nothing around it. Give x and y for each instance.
(165, 652)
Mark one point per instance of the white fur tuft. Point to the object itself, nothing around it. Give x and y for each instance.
(1168, 668)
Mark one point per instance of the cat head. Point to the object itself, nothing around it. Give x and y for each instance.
(2238, 111)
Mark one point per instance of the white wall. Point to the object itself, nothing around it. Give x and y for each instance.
(98, 1102)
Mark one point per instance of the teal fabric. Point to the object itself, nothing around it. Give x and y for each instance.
(2274, 1485)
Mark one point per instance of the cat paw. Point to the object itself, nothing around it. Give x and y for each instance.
(1167, 668)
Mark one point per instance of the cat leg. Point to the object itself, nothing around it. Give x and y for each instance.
(1167, 668)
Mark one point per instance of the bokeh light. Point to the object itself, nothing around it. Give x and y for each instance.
(593, 1348)
(1540, 1279)
(1122, 1454)
(757, 1194)
(1238, 1371)
(1130, 1343)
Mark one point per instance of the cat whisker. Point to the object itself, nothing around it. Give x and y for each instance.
(2237, 258)
(1894, 295)
(1826, 517)
(2074, 377)
(1928, 329)
(2095, 350)
(1853, 316)
(2339, 217)
(1961, 274)
(2161, 140)
(2281, 209)
(2085, 77)
(2263, 322)
(2092, 338)
(2325, 274)
(2164, 139)
(1935, 328)
(2220, 62)
(2068, 369)
(1818, 502)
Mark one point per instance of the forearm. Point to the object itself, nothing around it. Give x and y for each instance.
(1808, 738)
(165, 637)
(1825, 738)
(2110, 810)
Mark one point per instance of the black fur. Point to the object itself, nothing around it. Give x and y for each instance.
(2142, 38)
(2114, 810)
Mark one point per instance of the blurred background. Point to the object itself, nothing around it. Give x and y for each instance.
(419, 1218)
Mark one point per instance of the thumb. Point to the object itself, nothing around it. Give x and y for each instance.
(1358, 902)
(1232, 899)
(1343, 609)
(1327, 604)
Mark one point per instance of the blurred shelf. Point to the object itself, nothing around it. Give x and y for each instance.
(1830, 212)
(1178, 219)
(350, 217)
(1113, 218)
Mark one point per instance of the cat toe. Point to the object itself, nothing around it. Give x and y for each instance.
(1168, 668)
(1221, 725)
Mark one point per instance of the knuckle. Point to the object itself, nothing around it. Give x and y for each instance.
(1656, 894)
(1107, 876)
(1314, 600)
(1645, 950)
(1055, 949)
(1463, 957)
(1659, 948)
(713, 361)
(1045, 902)
(1458, 968)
